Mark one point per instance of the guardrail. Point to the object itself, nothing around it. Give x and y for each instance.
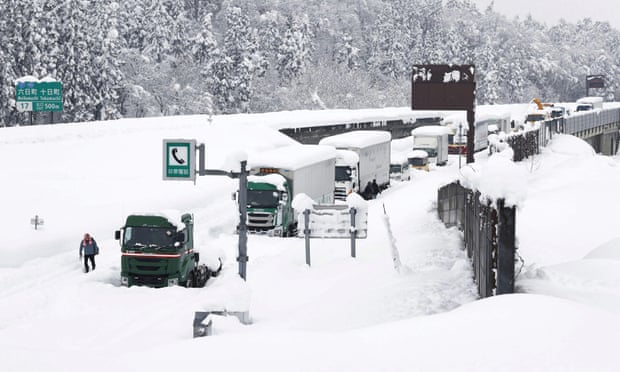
(583, 125)
(589, 120)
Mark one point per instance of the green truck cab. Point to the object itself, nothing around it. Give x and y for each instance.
(269, 205)
(157, 252)
(277, 176)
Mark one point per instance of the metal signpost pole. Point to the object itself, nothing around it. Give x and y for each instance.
(243, 230)
(471, 121)
(353, 232)
(179, 164)
(307, 234)
(460, 141)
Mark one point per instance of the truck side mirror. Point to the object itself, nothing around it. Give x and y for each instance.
(117, 235)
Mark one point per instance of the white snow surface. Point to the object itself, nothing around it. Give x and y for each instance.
(417, 154)
(430, 130)
(274, 179)
(357, 139)
(347, 157)
(340, 314)
(279, 157)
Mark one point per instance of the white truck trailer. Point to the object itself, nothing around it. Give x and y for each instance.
(278, 175)
(434, 140)
(364, 157)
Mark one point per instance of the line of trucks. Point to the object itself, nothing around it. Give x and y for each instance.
(157, 250)
(337, 166)
(352, 162)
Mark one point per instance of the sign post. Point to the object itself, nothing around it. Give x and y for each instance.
(179, 164)
(446, 87)
(594, 81)
(36, 222)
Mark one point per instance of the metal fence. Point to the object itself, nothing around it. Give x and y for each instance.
(489, 236)
(526, 144)
(489, 226)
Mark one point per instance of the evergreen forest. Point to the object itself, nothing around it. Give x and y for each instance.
(142, 58)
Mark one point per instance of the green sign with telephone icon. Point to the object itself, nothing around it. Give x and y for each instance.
(179, 160)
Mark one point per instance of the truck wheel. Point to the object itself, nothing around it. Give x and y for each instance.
(292, 230)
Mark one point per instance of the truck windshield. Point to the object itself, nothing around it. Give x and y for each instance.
(418, 161)
(263, 198)
(535, 117)
(395, 168)
(585, 107)
(148, 237)
(343, 173)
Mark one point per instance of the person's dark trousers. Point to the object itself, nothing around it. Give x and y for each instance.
(90, 257)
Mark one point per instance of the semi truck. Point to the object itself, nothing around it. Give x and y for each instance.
(483, 126)
(277, 176)
(157, 250)
(418, 159)
(363, 159)
(589, 103)
(434, 140)
(399, 167)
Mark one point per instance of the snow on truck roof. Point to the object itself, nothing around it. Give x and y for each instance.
(417, 154)
(430, 130)
(273, 179)
(347, 157)
(173, 216)
(357, 139)
(590, 99)
(398, 157)
(292, 157)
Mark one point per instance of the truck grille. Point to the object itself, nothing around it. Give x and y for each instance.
(260, 221)
(340, 193)
(149, 280)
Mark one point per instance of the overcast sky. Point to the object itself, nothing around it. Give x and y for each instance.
(550, 11)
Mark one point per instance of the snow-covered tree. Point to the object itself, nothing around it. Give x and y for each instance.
(347, 54)
(233, 69)
(158, 29)
(204, 44)
(295, 48)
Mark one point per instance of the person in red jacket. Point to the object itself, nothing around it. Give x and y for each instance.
(89, 247)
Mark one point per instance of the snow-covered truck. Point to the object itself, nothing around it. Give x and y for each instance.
(277, 176)
(157, 250)
(589, 103)
(399, 167)
(417, 159)
(363, 157)
(434, 140)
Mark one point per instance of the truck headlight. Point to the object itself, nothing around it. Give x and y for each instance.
(124, 281)
(173, 282)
